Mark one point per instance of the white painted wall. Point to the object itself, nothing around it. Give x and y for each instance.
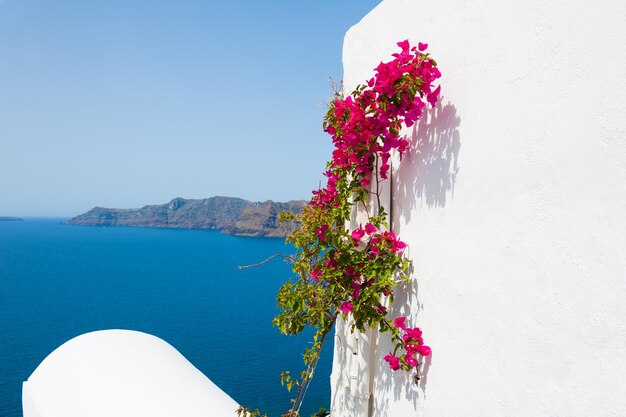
(514, 210)
(121, 373)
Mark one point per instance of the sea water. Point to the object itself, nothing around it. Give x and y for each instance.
(59, 281)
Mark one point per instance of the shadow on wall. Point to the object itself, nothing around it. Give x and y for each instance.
(429, 170)
(393, 386)
(426, 177)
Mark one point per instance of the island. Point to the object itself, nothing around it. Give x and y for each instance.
(230, 215)
(10, 219)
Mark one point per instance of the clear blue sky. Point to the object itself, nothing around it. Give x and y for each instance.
(126, 103)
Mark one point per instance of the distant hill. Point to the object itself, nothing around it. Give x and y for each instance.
(10, 219)
(233, 216)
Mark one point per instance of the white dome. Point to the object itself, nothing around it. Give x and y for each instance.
(121, 373)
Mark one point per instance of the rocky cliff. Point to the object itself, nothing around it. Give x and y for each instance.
(233, 216)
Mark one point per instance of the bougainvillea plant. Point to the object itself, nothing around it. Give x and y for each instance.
(346, 272)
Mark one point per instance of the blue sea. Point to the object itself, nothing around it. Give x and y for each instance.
(59, 281)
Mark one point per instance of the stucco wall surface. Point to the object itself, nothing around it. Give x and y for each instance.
(513, 204)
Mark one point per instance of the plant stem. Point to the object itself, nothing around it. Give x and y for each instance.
(276, 255)
(377, 186)
(310, 369)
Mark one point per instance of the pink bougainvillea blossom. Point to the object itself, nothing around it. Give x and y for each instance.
(394, 362)
(316, 274)
(356, 287)
(411, 342)
(410, 360)
(414, 333)
(433, 97)
(399, 323)
(346, 307)
(330, 263)
(321, 232)
(370, 228)
(357, 235)
(424, 350)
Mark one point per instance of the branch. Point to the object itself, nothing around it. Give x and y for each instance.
(367, 210)
(306, 380)
(276, 255)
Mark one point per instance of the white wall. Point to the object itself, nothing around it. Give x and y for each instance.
(514, 209)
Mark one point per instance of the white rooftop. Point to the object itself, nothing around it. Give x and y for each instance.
(121, 373)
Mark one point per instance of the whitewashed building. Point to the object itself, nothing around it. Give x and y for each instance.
(513, 205)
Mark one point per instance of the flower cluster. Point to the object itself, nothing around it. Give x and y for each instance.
(365, 126)
(411, 342)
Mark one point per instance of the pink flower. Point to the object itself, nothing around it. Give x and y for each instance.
(384, 170)
(330, 263)
(422, 46)
(410, 360)
(424, 350)
(410, 347)
(316, 274)
(357, 290)
(433, 97)
(394, 362)
(415, 333)
(321, 232)
(397, 246)
(404, 45)
(370, 228)
(357, 235)
(398, 323)
(346, 307)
